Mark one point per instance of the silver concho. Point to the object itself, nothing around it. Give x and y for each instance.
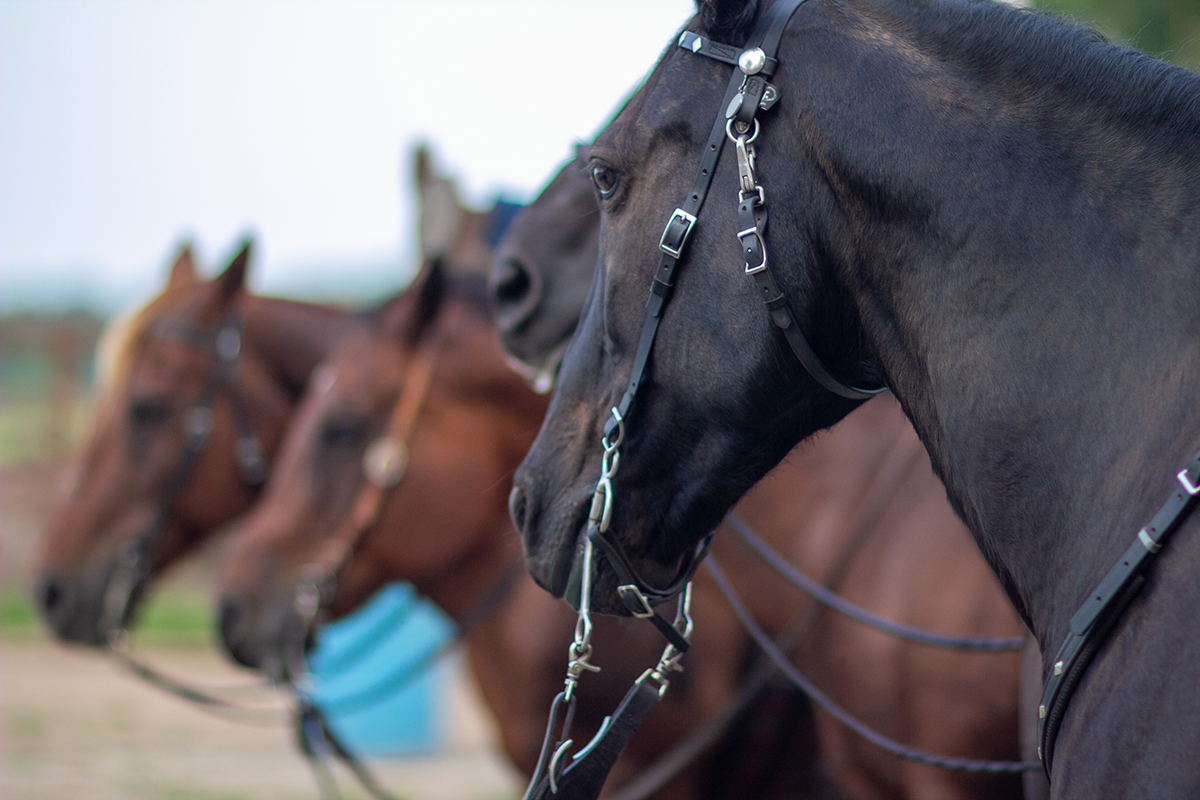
(752, 61)
(385, 461)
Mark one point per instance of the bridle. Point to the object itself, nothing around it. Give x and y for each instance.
(749, 93)
(133, 567)
(384, 464)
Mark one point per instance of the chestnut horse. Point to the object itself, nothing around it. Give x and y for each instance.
(139, 483)
(537, 294)
(195, 392)
(442, 525)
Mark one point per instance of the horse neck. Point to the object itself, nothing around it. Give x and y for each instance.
(290, 338)
(1023, 265)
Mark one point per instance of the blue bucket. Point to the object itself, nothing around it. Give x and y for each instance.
(367, 674)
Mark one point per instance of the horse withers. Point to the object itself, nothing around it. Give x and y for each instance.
(195, 391)
(1000, 225)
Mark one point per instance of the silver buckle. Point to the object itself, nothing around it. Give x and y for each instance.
(1187, 483)
(629, 590)
(689, 220)
(754, 232)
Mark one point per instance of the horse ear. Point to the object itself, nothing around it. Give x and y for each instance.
(233, 279)
(183, 271)
(408, 316)
(725, 17)
(430, 294)
(441, 213)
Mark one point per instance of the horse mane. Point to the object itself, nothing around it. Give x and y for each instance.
(1031, 51)
(1025, 51)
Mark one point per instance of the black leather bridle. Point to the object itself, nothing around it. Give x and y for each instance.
(749, 92)
(224, 343)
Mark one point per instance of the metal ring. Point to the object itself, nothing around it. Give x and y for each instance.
(734, 137)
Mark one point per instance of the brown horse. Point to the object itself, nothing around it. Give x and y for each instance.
(919, 566)
(174, 420)
(443, 526)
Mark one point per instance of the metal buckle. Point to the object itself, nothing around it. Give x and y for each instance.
(629, 590)
(689, 221)
(1187, 483)
(754, 232)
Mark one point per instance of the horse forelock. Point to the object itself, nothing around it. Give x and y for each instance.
(118, 345)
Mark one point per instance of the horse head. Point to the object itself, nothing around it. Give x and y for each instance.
(542, 271)
(396, 468)
(176, 448)
(723, 398)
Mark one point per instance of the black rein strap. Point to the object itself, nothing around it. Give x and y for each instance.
(1091, 624)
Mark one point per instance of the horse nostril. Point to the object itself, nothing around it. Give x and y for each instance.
(516, 293)
(49, 594)
(230, 613)
(517, 506)
(514, 282)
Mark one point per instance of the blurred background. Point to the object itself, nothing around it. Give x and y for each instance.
(128, 126)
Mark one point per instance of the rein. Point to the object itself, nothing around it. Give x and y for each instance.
(1099, 614)
(969, 644)
(841, 715)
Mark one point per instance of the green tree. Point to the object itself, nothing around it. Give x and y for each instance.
(1167, 29)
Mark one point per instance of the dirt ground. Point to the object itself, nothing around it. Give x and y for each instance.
(73, 726)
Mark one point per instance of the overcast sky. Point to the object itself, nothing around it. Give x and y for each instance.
(127, 125)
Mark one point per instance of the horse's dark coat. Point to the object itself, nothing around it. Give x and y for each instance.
(996, 211)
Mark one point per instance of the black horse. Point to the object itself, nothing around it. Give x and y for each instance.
(536, 309)
(990, 211)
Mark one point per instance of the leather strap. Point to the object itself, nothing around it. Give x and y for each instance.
(225, 344)
(1091, 624)
(369, 501)
(639, 603)
(752, 220)
(585, 777)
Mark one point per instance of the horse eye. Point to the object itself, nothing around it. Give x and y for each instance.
(149, 412)
(344, 431)
(606, 180)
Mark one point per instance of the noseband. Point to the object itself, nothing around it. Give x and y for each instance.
(224, 343)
